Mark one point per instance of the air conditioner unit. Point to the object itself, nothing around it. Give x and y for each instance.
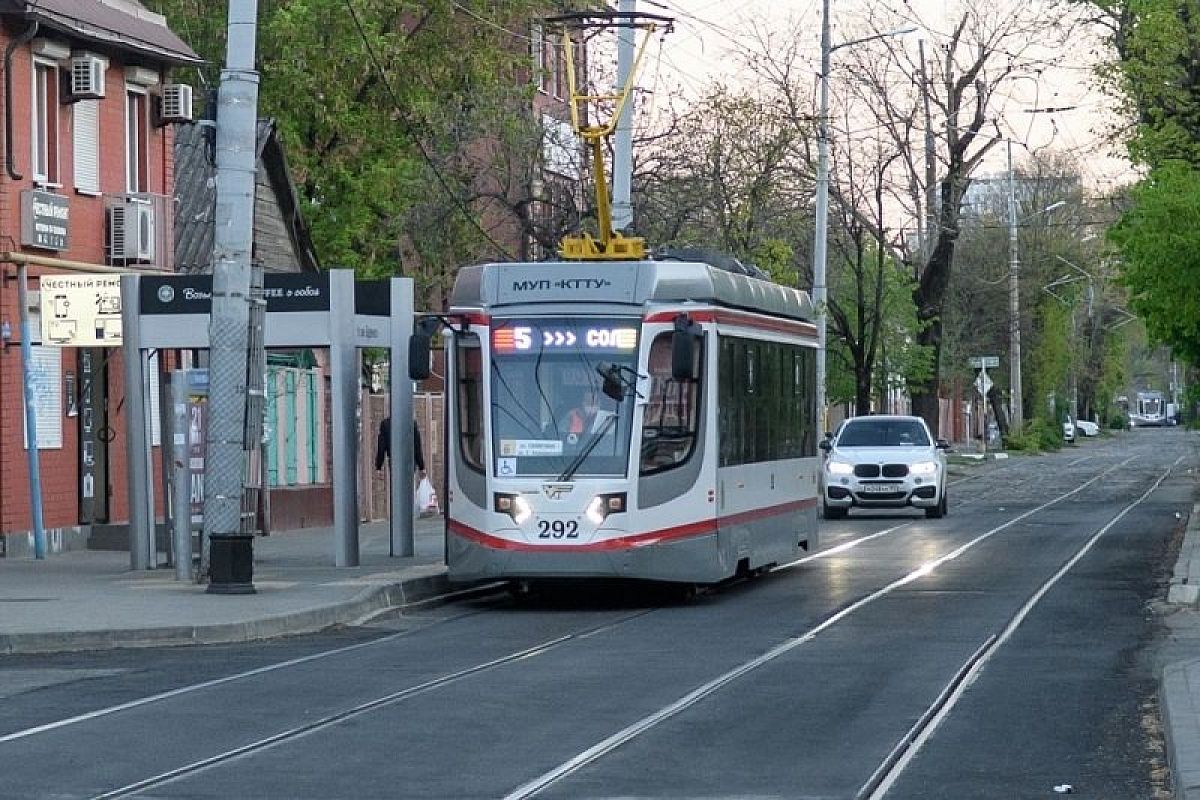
(87, 76)
(131, 231)
(176, 103)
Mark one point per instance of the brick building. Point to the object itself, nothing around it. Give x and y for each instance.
(86, 188)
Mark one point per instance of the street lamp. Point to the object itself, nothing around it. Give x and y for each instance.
(1016, 412)
(821, 225)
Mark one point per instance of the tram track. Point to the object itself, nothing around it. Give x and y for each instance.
(929, 720)
(892, 766)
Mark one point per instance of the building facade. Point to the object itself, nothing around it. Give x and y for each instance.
(90, 106)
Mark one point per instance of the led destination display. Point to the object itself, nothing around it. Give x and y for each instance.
(528, 336)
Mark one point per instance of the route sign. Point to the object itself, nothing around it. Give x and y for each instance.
(984, 362)
(983, 383)
(81, 310)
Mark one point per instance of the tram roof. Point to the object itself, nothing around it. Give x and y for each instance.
(634, 283)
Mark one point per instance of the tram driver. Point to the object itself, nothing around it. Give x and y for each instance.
(585, 417)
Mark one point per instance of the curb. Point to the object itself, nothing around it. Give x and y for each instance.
(1181, 727)
(1185, 580)
(368, 603)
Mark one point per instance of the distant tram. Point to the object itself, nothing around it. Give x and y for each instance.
(652, 420)
(1149, 410)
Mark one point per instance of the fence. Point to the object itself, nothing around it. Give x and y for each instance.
(373, 484)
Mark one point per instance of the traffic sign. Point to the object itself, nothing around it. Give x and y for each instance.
(984, 362)
(983, 383)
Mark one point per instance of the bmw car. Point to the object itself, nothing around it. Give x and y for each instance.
(883, 462)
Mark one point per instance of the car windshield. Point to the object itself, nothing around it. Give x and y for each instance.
(548, 407)
(883, 433)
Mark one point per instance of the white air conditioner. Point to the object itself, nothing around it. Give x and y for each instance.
(87, 76)
(176, 103)
(131, 231)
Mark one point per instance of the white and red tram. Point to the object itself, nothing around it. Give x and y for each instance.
(652, 420)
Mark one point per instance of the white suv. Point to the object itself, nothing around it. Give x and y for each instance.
(883, 462)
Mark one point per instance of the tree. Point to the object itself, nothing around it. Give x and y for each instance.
(1159, 243)
(986, 50)
(378, 103)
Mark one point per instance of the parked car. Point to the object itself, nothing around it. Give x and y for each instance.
(1087, 427)
(1068, 431)
(883, 462)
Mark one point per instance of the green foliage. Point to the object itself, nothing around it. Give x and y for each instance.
(1037, 435)
(1159, 242)
(364, 113)
(1050, 359)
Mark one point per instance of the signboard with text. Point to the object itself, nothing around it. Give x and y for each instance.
(81, 310)
(45, 220)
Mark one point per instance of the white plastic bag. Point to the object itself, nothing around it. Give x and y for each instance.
(425, 500)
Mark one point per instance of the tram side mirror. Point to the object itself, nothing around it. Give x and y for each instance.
(612, 386)
(420, 346)
(685, 349)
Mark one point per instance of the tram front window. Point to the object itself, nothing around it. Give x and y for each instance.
(550, 416)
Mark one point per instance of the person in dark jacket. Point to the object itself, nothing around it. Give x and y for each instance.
(383, 447)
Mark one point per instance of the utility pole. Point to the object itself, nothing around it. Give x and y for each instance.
(931, 215)
(232, 561)
(1016, 413)
(821, 226)
(622, 217)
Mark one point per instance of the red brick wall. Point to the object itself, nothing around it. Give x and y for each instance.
(59, 467)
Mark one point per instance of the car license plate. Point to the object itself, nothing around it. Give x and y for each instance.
(877, 488)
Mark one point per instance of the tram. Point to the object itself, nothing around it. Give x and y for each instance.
(1149, 410)
(651, 419)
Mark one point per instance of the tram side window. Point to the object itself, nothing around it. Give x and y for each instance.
(672, 413)
(766, 398)
(469, 394)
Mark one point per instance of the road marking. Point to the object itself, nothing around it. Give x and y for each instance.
(979, 661)
(607, 745)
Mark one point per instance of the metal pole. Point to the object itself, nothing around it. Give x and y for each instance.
(229, 324)
(1014, 302)
(403, 539)
(181, 502)
(142, 547)
(622, 216)
(820, 231)
(31, 438)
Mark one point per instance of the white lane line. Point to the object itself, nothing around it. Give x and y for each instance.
(998, 642)
(629, 733)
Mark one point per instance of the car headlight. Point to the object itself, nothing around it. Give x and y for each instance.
(839, 468)
(924, 468)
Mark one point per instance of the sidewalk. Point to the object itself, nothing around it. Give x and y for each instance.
(91, 600)
(1179, 686)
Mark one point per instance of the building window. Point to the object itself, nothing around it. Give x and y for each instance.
(137, 144)
(85, 130)
(45, 122)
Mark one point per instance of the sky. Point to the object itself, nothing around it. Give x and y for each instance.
(708, 34)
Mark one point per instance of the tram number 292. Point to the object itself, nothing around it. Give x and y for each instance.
(558, 529)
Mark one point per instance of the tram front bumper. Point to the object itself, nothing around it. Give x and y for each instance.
(692, 560)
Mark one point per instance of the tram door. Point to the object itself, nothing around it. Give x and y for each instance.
(95, 435)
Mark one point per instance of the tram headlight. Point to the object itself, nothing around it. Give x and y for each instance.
(604, 504)
(923, 468)
(515, 506)
(839, 468)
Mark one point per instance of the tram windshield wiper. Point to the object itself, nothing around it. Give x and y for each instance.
(596, 435)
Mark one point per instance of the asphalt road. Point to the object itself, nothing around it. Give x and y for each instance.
(1001, 652)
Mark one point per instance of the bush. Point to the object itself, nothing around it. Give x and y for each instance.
(1035, 436)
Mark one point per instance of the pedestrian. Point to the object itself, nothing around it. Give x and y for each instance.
(383, 447)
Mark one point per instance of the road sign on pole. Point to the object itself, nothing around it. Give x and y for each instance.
(984, 362)
(983, 383)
